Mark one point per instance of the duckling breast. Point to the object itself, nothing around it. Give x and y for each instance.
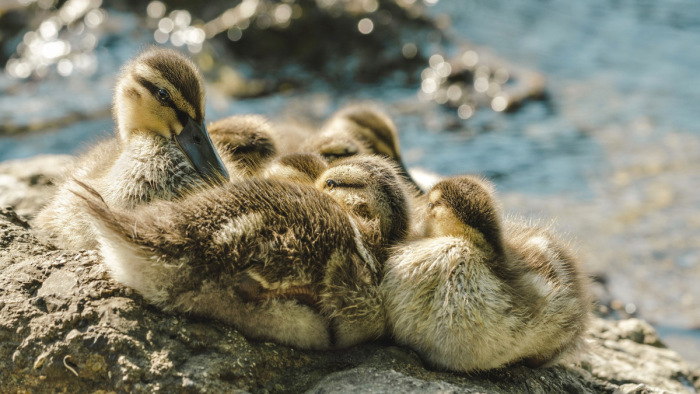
(149, 169)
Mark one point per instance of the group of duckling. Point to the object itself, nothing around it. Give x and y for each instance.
(323, 247)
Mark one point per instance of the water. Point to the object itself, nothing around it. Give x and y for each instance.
(613, 157)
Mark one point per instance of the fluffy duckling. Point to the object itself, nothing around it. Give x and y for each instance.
(369, 125)
(476, 296)
(362, 129)
(247, 140)
(371, 188)
(335, 146)
(359, 129)
(278, 260)
(161, 148)
(297, 167)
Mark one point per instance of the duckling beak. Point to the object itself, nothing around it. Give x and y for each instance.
(195, 143)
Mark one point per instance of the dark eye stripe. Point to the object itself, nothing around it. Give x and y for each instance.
(133, 93)
(350, 185)
(182, 116)
(148, 85)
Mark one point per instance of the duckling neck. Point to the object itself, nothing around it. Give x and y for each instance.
(474, 236)
(149, 168)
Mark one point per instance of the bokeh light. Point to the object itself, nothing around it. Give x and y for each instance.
(409, 50)
(62, 42)
(365, 26)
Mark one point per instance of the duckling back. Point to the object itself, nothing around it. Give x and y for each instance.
(298, 167)
(199, 255)
(63, 217)
(553, 275)
(444, 301)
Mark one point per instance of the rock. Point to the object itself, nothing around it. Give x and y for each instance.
(65, 325)
(27, 185)
(476, 78)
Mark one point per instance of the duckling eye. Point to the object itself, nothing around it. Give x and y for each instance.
(163, 95)
(431, 205)
(330, 184)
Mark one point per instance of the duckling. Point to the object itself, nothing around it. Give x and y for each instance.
(475, 296)
(247, 140)
(371, 188)
(278, 260)
(293, 132)
(335, 146)
(369, 125)
(298, 167)
(160, 150)
(360, 129)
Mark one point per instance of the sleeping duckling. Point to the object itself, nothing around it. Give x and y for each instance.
(368, 125)
(476, 296)
(363, 129)
(278, 260)
(297, 167)
(359, 129)
(247, 140)
(371, 188)
(335, 146)
(377, 200)
(161, 149)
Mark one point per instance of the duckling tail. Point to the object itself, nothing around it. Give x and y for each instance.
(126, 249)
(98, 209)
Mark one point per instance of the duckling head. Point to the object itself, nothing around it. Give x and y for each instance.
(248, 140)
(365, 126)
(298, 167)
(368, 125)
(371, 188)
(160, 94)
(465, 206)
(335, 146)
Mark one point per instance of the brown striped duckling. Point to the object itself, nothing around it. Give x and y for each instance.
(247, 140)
(278, 260)
(371, 188)
(359, 129)
(161, 149)
(297, 167)
(478, 294)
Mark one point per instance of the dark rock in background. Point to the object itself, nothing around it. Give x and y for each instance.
(247, 48)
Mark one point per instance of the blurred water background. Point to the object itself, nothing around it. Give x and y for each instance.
(583, 113)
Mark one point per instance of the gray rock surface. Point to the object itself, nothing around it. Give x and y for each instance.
(27, 185)
(66, 326)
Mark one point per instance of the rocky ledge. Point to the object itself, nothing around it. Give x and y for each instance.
(66, 326)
